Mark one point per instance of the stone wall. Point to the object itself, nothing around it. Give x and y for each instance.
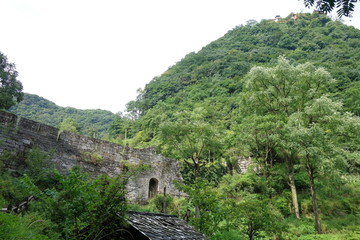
(92, 155)
(243, 164)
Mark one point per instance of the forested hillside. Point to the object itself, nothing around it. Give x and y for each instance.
(283, 94)
(211, 78)
(88, 122)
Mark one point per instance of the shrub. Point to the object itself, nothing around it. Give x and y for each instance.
(17, 227)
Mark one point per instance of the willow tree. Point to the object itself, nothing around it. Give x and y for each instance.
(271, 96)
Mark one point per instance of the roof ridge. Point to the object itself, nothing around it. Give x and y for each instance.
(151, 214)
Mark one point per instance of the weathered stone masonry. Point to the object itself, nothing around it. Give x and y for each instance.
(92, 155)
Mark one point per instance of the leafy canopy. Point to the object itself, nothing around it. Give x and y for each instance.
(344, 7)
(10, 87)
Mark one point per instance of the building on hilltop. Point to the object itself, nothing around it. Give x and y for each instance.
(319, 12)
(277, 18)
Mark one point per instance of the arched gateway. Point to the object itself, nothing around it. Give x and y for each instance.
(153, 187)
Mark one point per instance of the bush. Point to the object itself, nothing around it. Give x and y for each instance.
(81, 207)
(17, 227)
(299, 227)
(173, 205)
(40, 169)
(346, 222)
(11, 190)
(229, 235)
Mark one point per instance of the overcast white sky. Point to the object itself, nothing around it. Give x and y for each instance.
(92, 54)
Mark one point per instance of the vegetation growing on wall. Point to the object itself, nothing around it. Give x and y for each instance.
(92, 157)
(134, 169)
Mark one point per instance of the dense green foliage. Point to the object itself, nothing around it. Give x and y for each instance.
(284, 95)
(211, 78)
(280, 93)
(94, 123)
(10, 87)
(74, 206)
(214, 73)
(287, 118)
(68, 124)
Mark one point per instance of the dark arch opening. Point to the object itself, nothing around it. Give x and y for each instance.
(153, 187)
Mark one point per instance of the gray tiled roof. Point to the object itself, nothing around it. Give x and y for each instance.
(162, 227)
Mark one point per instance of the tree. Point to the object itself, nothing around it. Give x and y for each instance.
(69, 124)
(120, 127)
(191, 140)
(271, 101)
(344, 7)
(245, 210)
(291, 119)
(204, 196)
(256, 216)
(263, 135)
(10, 87)
(324, 136)
(270, 97)
(351, 98)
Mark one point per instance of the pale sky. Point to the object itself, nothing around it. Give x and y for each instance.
(92, 54)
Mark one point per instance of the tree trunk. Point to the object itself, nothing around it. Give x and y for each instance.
(291, 183)
(197, 175)
(251, 231)
(266, 172)
(196, 171)
(164, 202)
(294, 197)
(197, 211)
(230, 168)
(310, 172)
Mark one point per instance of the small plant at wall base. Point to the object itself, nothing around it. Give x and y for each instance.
(173, 205)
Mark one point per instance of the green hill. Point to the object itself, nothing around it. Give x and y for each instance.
(278, 102)
(90, 122)
(275, 96)
(211, 78)
(265, 91)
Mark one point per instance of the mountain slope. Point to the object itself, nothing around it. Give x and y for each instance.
(45, 111)
(211, 79)
(311, 37)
